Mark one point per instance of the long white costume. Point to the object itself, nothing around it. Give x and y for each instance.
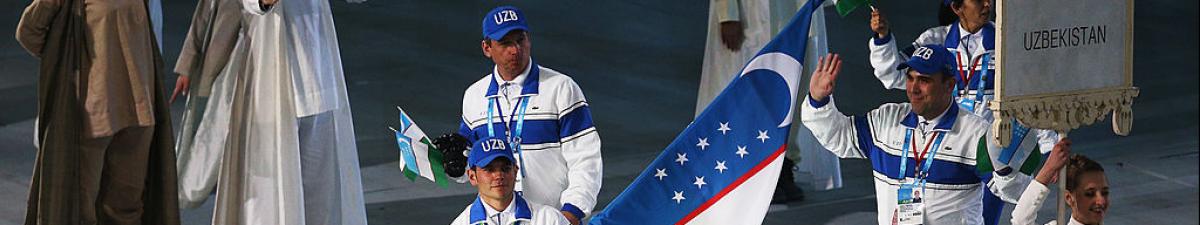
(278, 124)
(207, 50)
(761, 21)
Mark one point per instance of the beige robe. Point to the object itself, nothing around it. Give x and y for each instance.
(99, 74)
(117, 88)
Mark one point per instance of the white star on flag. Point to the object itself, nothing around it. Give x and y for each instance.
(762, 136)
(703, 143)
(682, 158)
(678, 197)
(724, 128)
(699, 182)
(721, 166)
(741, 152)
(661, 173)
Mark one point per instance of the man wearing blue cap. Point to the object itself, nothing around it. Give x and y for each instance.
(540, 113)
(929, 156)
(493, 173)
(967, 31)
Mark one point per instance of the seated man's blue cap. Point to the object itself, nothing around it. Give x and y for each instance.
(488, 149)
(501, 20)
(929, 60)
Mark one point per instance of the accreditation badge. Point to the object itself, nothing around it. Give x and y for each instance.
(910, 209)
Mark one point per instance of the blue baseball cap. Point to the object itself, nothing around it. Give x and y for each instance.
(929, 60)
(488, 149)
(501, 20)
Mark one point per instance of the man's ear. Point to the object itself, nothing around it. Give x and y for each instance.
(956, 7)
(471, 176)
(484, 46)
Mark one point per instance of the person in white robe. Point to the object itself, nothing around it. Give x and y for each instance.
(728, 50)
(277, 124)
(215, 29)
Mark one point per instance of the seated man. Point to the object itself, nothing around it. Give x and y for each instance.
(492, 172)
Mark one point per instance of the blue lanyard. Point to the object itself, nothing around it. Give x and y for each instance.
(982, 77)
(908, 136)
(514, 139)
(981, 84)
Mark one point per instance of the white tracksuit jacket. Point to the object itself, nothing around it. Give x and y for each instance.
(955, 184)
(560, 148)
(518, 212)
(1025, 213)
(885, 57)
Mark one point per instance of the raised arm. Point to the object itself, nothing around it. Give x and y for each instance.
(884, 54)
(835, 131)
(1025, 213)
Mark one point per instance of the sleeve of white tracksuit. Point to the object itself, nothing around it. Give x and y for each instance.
(1008, 180)
(835, 131)
(1025, 213)
(886, 56)
(580, 145)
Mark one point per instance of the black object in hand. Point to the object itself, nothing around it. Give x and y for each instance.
(453, 148)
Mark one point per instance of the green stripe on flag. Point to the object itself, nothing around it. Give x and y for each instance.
(409, 173)
(1033, 163)
(845, 6)
(435, 164)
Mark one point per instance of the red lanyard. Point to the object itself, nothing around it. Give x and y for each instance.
(970, 70)
(920, 156)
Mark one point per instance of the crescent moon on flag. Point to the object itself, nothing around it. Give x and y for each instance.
(787, 67)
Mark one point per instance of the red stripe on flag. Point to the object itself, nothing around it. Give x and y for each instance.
(734, 185)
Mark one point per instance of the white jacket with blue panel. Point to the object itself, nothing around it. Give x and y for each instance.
(956, 176)
(560, 148)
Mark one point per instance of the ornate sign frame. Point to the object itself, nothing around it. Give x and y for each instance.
(1067, 110)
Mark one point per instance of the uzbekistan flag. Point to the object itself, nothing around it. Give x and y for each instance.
(722, 169)
(418, 156)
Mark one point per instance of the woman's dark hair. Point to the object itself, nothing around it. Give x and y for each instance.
(1077, 165)
(946, 14)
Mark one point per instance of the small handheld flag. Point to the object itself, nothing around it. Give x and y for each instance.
(418, 156)
(844, 7)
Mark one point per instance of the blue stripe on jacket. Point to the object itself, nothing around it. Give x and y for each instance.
(537, 131)
(942, 172)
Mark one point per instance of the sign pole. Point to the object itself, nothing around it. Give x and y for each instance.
(1062, 189)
